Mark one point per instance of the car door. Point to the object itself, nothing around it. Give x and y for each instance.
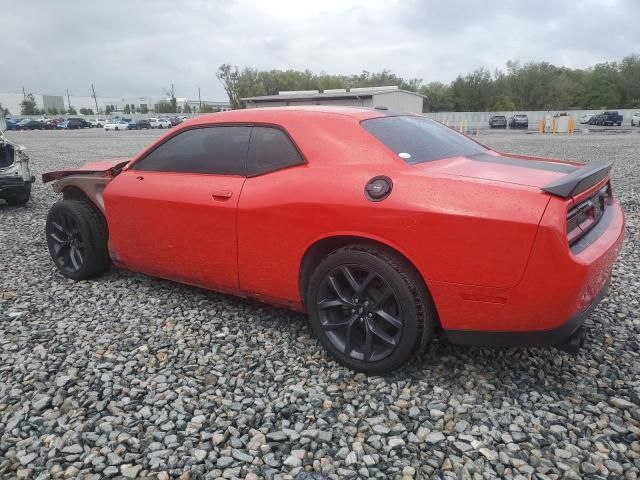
(173, 212)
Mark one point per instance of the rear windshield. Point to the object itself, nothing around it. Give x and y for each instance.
(419, 139)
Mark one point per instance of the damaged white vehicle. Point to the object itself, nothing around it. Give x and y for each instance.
(15, 177)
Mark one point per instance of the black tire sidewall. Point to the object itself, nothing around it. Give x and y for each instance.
(412, 304)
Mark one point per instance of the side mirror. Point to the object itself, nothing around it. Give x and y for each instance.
(3, 123)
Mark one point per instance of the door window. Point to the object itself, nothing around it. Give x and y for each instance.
(209, 150)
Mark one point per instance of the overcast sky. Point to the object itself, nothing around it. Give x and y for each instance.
(131, 48)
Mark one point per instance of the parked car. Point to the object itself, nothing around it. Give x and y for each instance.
(609, 118)
(74, 123)
(635, 119)
(159, 123)
(175, 121)
(139, 124)
(519, 121)
(15, 176)
(100, 122)
(116, 124)
(586, 118)
(323, 210)
(498, 121)
(49, 124)
(12, 124)
(29, 124)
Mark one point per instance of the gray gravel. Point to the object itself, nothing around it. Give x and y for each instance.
(129, 376)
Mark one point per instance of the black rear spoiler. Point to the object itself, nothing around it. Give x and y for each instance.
(579, 180)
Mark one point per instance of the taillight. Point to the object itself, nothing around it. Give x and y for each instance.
(583, 217)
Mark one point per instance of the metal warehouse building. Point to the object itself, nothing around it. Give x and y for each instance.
(391, 97)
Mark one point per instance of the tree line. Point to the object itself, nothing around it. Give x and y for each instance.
(529, 86)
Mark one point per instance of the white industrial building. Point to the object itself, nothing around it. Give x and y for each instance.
(391, 97)
(12, 102)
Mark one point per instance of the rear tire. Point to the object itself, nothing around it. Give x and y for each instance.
(77, 239)
(369, 308)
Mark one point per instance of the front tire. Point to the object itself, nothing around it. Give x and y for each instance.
(77, 239)
(369, 308)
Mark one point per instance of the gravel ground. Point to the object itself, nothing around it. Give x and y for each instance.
(130, 376)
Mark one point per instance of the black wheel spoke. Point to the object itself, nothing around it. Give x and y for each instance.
(58, 237)
(324, 304)
(366, 282)
(368, 344)
(359, 312)
(58, 227)
(75, 260)
(339, 325)
(389, 318)
(348, 344)
(381, 334)
(338, 291)
(348, 274)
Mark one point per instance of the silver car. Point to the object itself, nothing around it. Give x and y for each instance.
(15, 177)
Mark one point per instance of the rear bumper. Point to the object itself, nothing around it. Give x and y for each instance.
(558, 291)
(552, 337)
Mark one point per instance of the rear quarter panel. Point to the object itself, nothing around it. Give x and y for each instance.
(455, 230)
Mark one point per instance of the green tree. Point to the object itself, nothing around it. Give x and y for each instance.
(28, 105)
(208, 109)
(630, 80)
(186, 108)
(229, 77)
(108, 109)
(4, 111)
(437, 97)
(126, 109)
(72, 111)
(86, 111)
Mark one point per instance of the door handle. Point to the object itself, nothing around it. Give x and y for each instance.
(222, 194)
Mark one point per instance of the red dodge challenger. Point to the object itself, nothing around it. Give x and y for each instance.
(386, 228)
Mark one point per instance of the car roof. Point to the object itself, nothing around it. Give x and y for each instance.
(267, 113)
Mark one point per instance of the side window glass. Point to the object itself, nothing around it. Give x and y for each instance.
(209, 150)
(270, 150)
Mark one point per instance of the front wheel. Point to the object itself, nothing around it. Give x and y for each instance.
(77, 239)
(369, 308)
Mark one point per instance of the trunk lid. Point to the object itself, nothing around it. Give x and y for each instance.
(506, 168)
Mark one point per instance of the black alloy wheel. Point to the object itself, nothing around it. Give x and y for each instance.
(360, 313)
(76, 234)
(369, 308)
(65, 241)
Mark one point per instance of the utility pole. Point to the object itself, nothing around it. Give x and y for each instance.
(95, 99)
(69, 101)
(24, 95)
(199, 100)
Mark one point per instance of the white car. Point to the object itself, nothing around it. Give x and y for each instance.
(585, 118)
(100, 122)
(159, 123)
(635, 120)
(116, 125)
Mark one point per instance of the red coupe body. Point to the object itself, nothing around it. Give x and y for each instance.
(490, 234)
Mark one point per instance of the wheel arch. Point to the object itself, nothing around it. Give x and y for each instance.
(323, 246)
